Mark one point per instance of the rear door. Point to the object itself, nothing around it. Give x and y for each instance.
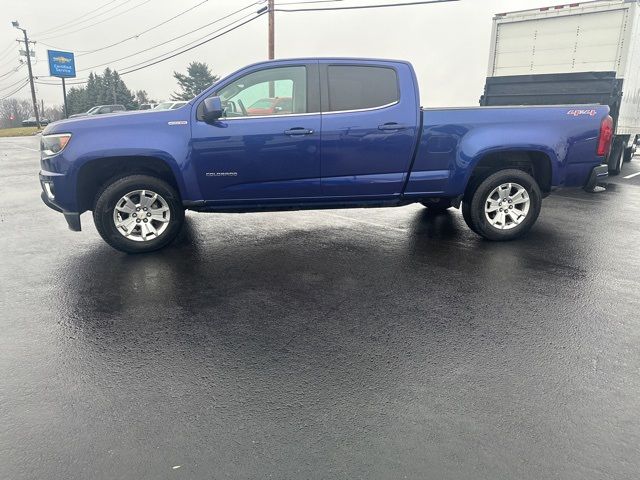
(370, 117)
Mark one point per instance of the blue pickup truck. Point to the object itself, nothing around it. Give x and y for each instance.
(315, 134)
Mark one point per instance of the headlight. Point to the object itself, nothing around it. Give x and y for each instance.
(53, 144)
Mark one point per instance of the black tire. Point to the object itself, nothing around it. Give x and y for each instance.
(103, 213)
(473, 208)
(437, 206)
(616, 158)
(466, 214)
(628, 154)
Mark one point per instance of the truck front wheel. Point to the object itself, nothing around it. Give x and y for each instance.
(504, 206)
(138, 213)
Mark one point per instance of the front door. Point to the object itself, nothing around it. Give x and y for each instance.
(267, 145)
(368, 129)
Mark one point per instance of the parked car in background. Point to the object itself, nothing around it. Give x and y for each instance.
(586, 52)
(357, 137)
(271, 106)
(147, 106)
(31, 122)
(169, 105)
(100, 110)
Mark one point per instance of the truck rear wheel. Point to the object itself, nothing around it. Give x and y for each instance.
(504, 206)
(138, 213)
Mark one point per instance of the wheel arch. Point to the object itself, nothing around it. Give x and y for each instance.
(94, 174)
(536, 163)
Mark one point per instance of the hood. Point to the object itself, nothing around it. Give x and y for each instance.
(128, 119)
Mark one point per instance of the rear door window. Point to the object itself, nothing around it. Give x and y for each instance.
(354, 87)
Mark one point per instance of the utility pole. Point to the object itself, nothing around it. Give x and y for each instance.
(33, 88)
(272, 27)
(272, 46)
(64, 95)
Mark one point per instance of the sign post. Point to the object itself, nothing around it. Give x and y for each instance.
(62, 65)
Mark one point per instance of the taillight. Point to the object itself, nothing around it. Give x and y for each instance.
(606, 136)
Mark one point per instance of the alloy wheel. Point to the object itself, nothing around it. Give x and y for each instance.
(507, 206)
(141, 215)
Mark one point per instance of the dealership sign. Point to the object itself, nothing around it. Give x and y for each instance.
(61, 64)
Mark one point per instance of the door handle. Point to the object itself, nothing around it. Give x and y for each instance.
(298, 131)
(392, 126)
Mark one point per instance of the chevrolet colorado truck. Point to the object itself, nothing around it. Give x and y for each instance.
(354, 136)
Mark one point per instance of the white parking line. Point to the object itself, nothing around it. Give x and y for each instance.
(20, 146)
(632, 175)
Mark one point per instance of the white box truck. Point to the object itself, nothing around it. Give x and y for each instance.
(586, 52)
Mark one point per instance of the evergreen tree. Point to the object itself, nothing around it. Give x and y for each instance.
(105, 89)
(92, 90)
(197, 79)
(122, 93)
(105, 92)
(77, 100)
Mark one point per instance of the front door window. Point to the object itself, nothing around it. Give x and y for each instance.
(273, 91)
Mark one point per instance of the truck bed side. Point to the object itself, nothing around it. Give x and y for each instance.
(562, 141)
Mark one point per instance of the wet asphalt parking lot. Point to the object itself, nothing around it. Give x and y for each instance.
(347, 344)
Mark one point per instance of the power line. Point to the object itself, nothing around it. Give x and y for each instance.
(258, 15)
(197, 45)
(361, 7)
(309, 1)
(74, 20)
(26, 82)
(180, 50)
(175, 38)
(12, 85)
(138, 35)
(48, 37)
(55, 47)
(12, 72)
(8, 51)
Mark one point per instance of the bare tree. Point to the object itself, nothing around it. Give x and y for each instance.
(14, 111)
(54, 112)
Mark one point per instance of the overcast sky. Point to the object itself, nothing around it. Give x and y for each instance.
(448, 43)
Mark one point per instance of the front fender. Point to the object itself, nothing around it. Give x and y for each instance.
(160, 135)
(141, 153)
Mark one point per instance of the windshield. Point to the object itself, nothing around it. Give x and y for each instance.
(164, 106)
(178, 105)
(91, 110)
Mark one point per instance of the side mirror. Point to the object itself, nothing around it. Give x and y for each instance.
(212, 109)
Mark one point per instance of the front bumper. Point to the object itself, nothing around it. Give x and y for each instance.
(48, 197)
(598, 174)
